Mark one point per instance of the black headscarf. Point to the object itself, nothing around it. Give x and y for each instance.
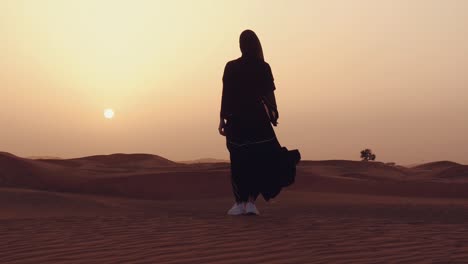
(250, 45)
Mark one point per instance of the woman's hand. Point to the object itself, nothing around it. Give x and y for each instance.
(221, 127)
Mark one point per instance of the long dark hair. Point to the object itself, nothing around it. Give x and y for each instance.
(250, 45)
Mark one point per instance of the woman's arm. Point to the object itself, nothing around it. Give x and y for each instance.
(223, 112)
(269, 97)
(270, 101)
(225, 109)
(227, 83)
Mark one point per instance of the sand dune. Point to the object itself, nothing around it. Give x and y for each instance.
(456, 172)
(436, 165)
(204, 160)
(129, 175)
(139, 208)
(146, 176)
(379, 179)
(128, 160)
(19, 172)
(134, 161)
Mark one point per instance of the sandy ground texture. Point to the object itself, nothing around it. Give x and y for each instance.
(145, 209)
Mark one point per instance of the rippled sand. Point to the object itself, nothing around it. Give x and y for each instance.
(302, 227)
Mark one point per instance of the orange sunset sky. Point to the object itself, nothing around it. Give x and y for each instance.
(390, 75)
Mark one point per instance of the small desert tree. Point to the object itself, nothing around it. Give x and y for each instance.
(367, 155)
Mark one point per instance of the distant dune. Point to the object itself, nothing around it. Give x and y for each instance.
(153, 177)
(129, 175)
(204, 160)
(436, 165)
(43, 157)
(20, 172)
(455, 172)
(126, 159)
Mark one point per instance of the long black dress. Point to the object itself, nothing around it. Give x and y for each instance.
(259, 165)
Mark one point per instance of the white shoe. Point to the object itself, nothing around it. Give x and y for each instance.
(251, 209)
(237, 209)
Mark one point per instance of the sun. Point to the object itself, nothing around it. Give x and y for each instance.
(109, 113)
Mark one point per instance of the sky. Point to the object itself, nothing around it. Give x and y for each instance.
(390, 75)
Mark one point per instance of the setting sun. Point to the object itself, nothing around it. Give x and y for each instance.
(109, 113)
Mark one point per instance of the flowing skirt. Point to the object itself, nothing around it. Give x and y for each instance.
(259, 165)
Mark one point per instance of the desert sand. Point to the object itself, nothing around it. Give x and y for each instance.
(139, 208)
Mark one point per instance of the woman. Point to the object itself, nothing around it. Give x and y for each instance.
(259, 165)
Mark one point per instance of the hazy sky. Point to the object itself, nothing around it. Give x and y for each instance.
(387, 75)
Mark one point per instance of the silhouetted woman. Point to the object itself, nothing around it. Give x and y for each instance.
(259, 165)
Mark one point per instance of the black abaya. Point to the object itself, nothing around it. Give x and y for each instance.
(259, 165)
